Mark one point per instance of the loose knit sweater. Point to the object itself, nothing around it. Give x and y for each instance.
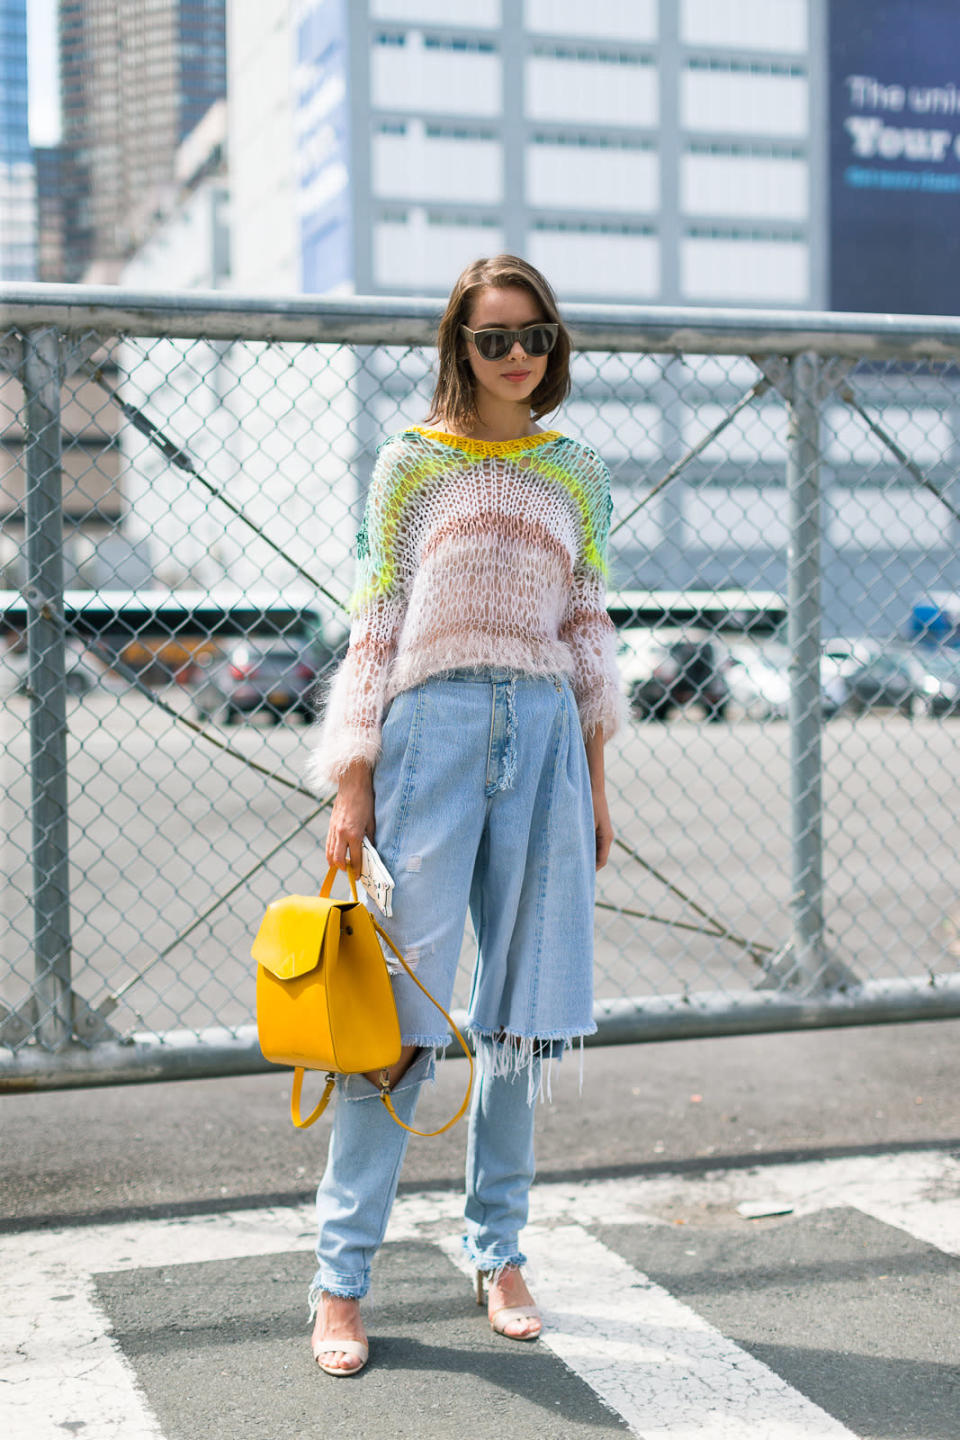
(473, 553)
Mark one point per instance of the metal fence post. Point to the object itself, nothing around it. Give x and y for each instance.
(806, 708)
(42, 373)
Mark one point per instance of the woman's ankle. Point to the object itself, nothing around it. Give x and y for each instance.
(510, 1278)
(339, 1306)
(338, 1317)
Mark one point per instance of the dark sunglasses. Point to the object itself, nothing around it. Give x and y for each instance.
(493, 344)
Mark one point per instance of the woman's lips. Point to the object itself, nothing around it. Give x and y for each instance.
(516, 375)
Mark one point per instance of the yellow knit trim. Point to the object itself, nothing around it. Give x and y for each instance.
(488, 447)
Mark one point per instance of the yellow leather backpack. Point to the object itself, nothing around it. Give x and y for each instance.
(324, 997)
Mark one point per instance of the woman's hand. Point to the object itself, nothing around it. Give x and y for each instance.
(352, 817)
(602, 828)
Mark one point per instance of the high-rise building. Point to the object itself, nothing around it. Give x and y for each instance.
(51, 223)
(135, 80)
(18, 221)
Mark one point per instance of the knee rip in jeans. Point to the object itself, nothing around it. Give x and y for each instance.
(413, 955)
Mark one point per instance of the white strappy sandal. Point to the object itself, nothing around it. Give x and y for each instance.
(501, 1318)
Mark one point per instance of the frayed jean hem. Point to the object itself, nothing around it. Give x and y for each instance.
(490, 1262)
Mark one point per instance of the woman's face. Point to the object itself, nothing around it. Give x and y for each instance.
(517, 375)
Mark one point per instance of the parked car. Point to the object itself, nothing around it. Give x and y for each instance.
(758, 681)
(83, 671)
(940, 685)
(639, 649)
(840, 657)
(888, 681)
(685, 672)
(274, 679)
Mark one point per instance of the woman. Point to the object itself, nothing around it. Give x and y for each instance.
(464, 732)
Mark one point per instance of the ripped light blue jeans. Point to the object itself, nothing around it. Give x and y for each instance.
(483, 800)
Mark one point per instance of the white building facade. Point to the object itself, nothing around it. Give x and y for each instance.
(648, 151)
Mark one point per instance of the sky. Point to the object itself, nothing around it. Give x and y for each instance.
(42, 61)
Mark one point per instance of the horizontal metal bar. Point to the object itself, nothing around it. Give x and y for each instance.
(192, 1055)
(401, 320)
(706, 1013)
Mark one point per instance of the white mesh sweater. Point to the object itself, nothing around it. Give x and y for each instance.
(473, 553)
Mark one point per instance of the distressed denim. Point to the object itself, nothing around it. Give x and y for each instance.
(483, 802)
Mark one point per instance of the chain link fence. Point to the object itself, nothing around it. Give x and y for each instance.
(182, 483)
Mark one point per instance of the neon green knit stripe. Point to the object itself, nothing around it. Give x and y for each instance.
(579, 493)
(383, 545)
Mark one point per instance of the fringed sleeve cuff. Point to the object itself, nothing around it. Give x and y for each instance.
(602, 708)
(332, 754)
(596, 677)
(589, 633)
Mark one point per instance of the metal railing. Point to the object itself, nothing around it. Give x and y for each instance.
(775, 870)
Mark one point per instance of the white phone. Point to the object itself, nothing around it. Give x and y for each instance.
(376, 879)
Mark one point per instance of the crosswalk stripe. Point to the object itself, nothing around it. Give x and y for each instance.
(651, 1358)
(64, 1369)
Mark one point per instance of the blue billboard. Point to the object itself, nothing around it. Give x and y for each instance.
(322, 138)
(894, 118)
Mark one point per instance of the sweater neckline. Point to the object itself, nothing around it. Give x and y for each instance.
(488, 447)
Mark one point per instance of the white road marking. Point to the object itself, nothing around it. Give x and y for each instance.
(65, 1368)
(916, 1191)
(651, 1358)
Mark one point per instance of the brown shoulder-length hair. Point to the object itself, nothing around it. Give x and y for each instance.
(454, 399)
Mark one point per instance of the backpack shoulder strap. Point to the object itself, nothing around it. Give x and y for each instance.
(384, 1082)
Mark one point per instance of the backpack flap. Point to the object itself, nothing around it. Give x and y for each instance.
(292, 933)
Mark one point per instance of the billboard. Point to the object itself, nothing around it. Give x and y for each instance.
(322, 140)
(894, 121)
